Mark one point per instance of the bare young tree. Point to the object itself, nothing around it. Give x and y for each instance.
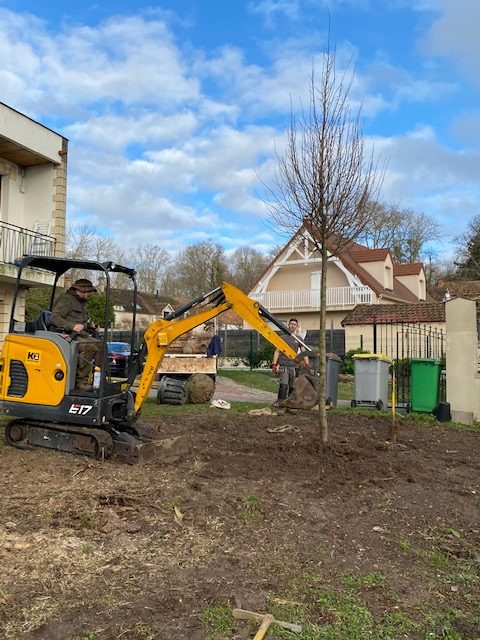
(324, 183)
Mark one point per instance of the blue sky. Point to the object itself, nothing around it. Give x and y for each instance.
(174, 109)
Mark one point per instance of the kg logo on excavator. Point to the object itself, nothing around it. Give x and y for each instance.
(33, 356)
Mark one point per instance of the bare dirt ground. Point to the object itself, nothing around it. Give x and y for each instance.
(251, 511)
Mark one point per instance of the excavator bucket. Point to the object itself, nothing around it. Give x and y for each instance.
(133, 450)
(305, 392)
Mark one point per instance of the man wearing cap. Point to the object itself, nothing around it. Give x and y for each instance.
(69, 315)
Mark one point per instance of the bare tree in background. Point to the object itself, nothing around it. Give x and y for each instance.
(325, 182)
(403, 231)
(246, 266)
(79, 246)
(103, 249)
(197, 269)
(79, 241)
(152, 264)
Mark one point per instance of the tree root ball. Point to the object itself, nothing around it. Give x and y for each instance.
(200, 388)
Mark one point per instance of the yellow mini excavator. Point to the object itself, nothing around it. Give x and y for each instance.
(38, 369)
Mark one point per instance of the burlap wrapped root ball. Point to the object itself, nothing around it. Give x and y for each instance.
(200, 388)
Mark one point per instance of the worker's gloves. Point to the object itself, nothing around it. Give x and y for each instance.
(274, 368)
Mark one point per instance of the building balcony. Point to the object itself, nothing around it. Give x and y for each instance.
(17, 241)
(309, 299)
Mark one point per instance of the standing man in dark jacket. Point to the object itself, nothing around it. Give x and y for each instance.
(285, 366)
(69, 315)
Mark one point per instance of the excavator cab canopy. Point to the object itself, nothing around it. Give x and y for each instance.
(59, 266)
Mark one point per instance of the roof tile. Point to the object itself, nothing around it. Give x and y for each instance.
(421, 312)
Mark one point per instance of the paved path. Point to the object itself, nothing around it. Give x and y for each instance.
(226, 389)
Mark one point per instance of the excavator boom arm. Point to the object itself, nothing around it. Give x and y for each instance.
(160, 334)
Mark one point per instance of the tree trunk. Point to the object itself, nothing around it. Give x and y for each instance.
(322, 364)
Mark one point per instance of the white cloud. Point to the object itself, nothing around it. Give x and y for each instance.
(112, 131)
(466, 127)
(454, 34)
(129, 60)
(431, 178)
(167, 145)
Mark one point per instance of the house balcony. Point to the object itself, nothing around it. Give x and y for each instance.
(309, 299)
(17, 241)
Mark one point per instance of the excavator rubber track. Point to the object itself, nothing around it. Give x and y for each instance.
(94, 443)
(133, 448)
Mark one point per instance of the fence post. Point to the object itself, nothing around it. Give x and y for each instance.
(251, 349)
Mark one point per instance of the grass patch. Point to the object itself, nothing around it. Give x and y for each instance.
(404, 544)
(345, 391)
(343, 615)
(151, 409)
(263, 380)
(368, 580)
(250, 510)
(218, 620)
(433, 559)
(266, 381)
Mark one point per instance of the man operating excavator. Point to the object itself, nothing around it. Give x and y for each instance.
(70, 316)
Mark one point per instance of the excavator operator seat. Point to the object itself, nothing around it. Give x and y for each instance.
(42, 323)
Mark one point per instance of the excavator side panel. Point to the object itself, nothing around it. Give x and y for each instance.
(32, 371)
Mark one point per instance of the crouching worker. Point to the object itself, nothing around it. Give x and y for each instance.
(69, 315)
(285, 366)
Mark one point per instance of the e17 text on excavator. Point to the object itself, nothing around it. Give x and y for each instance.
(38, 369)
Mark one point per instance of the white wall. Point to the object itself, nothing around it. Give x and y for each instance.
(463, 379)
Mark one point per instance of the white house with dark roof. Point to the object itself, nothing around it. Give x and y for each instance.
(290, 285)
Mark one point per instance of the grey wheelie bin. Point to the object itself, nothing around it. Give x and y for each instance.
(372, 373)
(333, 364)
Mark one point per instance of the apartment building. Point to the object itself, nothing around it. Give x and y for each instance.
(33, 185)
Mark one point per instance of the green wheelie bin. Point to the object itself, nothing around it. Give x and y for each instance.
(425, 384)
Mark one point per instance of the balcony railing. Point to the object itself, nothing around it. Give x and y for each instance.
(17, 241)
(309, 299)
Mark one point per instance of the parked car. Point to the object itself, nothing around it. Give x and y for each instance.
(119, 357)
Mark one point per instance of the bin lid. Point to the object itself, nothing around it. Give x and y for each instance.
(372, 356)
(426, 360)
(333, 356)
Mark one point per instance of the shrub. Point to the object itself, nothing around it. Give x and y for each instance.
(347, 366)
(261, 358)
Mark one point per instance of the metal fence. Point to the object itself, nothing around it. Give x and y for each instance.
(241, 343)
(403, 342)
(17, 241)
